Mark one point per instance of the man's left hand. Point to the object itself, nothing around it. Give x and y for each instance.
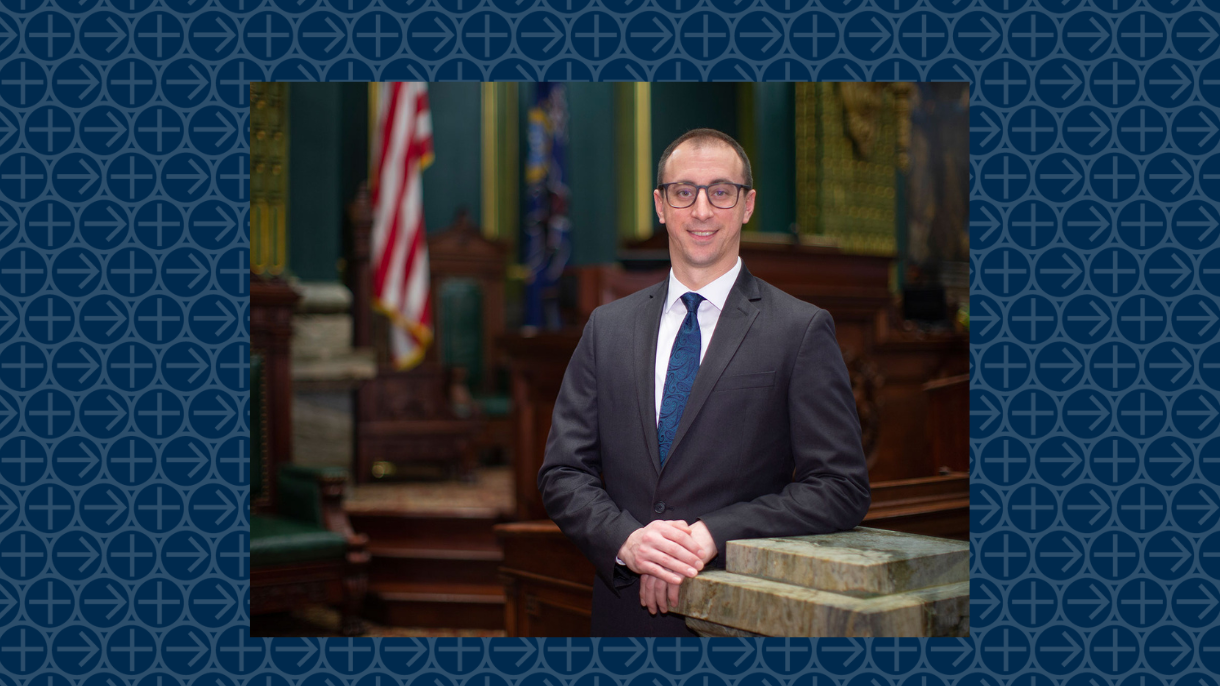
(659, 595)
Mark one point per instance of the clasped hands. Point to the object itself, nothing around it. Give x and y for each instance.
(663, 553)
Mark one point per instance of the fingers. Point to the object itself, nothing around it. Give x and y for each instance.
(657, 595)
(673, 594)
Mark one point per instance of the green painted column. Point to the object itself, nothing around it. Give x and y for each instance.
(774, 158)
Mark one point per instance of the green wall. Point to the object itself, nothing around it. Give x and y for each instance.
(455, 178)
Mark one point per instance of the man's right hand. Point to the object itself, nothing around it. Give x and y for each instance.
(664, 549)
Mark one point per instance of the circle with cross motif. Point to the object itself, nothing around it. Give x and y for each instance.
(1032, 508)
(233, 555)
(158, 508)
(703, 36)
(1141, 508)
(159, 602)
(131, 555)
(131, 460)
(1141, 602)
(1004, 650)
(1032, 602)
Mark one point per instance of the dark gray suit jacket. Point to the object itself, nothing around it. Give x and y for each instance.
(768, 445)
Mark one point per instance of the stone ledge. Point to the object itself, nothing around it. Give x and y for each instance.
(772, 608)
(863, 561)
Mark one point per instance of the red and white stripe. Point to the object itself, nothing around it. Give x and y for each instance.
(400, 249)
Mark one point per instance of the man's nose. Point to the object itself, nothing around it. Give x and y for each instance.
(703, 205)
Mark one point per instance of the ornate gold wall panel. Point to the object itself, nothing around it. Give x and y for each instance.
(268, 177)
(850, 143)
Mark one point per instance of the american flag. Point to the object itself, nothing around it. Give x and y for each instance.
(400, 249)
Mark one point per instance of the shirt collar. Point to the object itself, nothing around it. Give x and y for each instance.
(716, 292)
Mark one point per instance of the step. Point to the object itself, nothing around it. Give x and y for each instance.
(436, 605)
(462, 528)
(434, 561)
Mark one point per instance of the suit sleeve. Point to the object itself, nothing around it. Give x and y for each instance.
(570, 478)
(829, 491)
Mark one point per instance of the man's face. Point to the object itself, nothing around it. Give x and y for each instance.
(702, 235)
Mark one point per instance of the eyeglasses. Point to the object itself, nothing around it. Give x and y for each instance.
(721, 195)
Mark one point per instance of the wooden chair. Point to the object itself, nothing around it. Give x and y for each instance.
(302, 547)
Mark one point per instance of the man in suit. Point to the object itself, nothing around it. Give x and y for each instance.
(707, 408)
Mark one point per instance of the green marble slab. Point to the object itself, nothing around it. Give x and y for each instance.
(743, 605)
(863, 561)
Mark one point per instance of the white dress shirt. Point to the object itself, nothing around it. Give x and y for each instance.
(714, 294)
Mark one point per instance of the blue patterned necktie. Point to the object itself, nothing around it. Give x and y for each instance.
(680, 376)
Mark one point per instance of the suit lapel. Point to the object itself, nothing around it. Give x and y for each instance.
(738, 315)
(646, 329)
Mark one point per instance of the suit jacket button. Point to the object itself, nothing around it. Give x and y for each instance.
(659, 508)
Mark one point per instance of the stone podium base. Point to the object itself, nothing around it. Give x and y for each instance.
(864, 582)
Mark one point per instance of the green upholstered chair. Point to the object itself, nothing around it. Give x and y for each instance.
(302, 547)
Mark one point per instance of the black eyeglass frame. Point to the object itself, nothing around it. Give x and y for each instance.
(664, 188)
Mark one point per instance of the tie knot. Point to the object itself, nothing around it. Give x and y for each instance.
(692, 300)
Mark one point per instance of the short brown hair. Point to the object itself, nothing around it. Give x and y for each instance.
(700, 136)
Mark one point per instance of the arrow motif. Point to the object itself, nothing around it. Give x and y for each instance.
(1073, 271)
(1099, 33)
(992, 223)
(1181, 270)
(1208, 602)
(225, 602)
(882, 35)
(990, 316)
(1071, 556)
(854, 649)
(226, 223)
(89, 82)
(199, 459)
(225, 414)
(8, 35)
(1072, 365)
(1072, 178)
(1208, 316)
(1071, 649)
(116, 412)
(1208, 508)
(226, 317)
(991, 128)
(991, 508)
(198, 365)
(199, 271)
(1183, 176)
(1210, 129)
(444, 34)
(226, 507)
(555, 34)
(527, 650)
(961, 647)
(1100, 412)
(199, 555)
(1181, 460)
(117, 318)
(89, 365)
(1072, 82)
(88, 649)
(7, 128)
(1099, 507)
(743, 648)
(310, 650)
(199, 176)
(115, 601)
(335, 34)
(225, 129)
(991, 34)
(991, 413)
(1182, 82)
(226, 34)
(7, 317)
(117, 507)
(117, 130)
(1208, 32)
(198, 82)
(636, 651)
(90, 177)
(1182, 648)
(1072, 462)
(992, 602)
(1100, 129)
(6, 505)
(1211, 223)
(1098, 600)
(418, 650)
(1181, 555)
(116, 33)
(775, 35)
(1100, 317)
(199, 649)
(1099, 222)
(664, 35)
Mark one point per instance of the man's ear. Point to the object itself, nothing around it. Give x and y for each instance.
(657, 201)
(749, 205)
